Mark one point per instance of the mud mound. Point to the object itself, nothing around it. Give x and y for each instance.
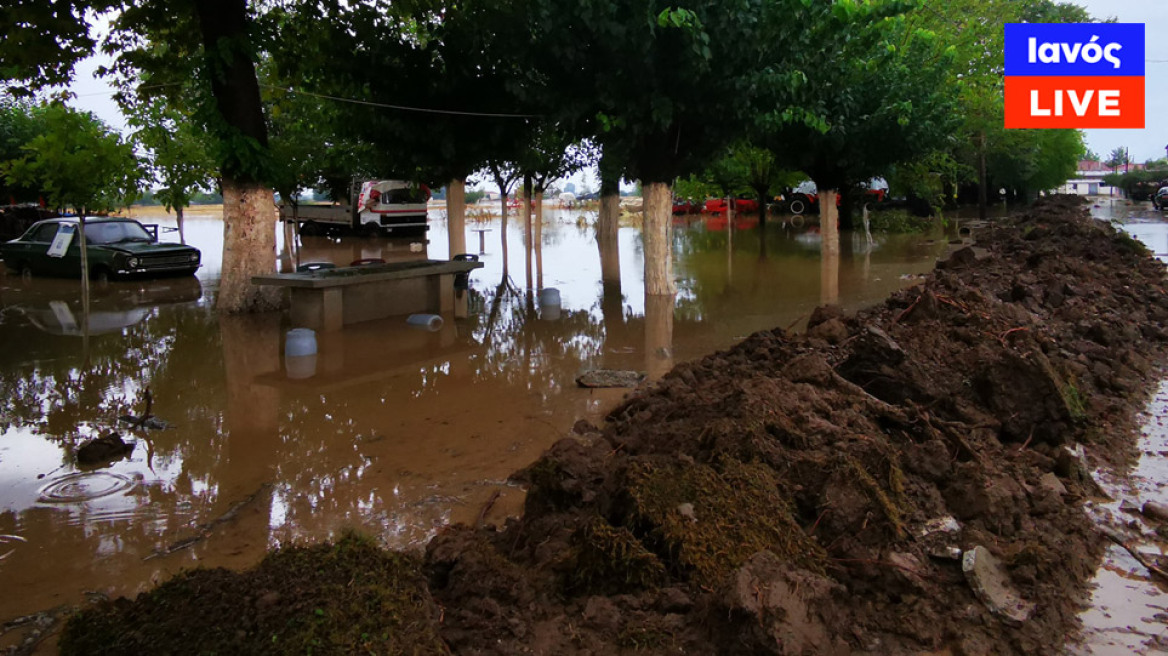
(814, 493)
(879, 446)
(347, 598)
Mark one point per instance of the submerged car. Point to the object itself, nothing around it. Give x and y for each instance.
(1160, 200)
(116, 248)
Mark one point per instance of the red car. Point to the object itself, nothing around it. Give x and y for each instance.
(718, 205)
(685, 207)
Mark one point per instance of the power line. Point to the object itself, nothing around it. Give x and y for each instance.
(423, 110)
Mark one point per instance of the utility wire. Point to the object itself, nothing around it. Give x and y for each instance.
(400, 107)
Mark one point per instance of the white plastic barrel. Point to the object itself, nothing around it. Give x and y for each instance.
(300, 353)
(549, 304)
(431, 322)
(299, 342)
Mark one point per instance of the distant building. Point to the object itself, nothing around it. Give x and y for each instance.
(1088, 180)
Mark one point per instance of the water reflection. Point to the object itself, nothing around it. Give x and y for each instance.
(398, 431)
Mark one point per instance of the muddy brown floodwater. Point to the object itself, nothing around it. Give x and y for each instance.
(391, 430)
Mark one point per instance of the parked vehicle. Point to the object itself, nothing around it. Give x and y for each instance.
(741, 204)
(375, 207)
(1160, 200)
(805, 197)
(686, 207)
(115, 247)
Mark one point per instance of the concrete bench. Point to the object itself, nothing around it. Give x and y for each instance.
(327, 299)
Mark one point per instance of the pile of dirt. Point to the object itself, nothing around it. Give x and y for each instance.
(815, 493)
(351, 597)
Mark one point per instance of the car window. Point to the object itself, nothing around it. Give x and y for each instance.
(104, 233)
(45, 233)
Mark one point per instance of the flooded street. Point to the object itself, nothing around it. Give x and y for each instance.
(392, 430)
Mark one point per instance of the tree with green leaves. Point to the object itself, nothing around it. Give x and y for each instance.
(162, 45)
(20, 122)
(1119, 158)
(178, 154)
(879, 99)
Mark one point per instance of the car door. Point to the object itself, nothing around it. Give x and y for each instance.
(37, 250)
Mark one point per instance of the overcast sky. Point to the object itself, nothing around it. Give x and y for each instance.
(1149, 143)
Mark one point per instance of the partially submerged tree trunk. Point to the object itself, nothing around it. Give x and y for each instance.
(658, 335)
(829, 220)
(527, 230)
(178, 217)
(608, 240)
(456, 215)
(657, 235)
(249, 215)
(503, 225)
(830, 249)
(249, 248)
(538, 239)
(762, 206)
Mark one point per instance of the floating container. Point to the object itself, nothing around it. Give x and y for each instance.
(300, 353)
(431, 322)
(549, 304)
(299, 342)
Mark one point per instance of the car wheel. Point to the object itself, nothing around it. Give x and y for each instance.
(25, 271)
(797, 206)
(102, 276)
(311, 229)
(371, 230)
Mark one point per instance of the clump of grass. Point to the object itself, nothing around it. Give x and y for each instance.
(738, 511)
(1128, 244)
(900, 222)
(611, 560)
(344, 598)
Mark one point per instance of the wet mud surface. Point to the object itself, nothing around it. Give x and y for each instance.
(809, 493)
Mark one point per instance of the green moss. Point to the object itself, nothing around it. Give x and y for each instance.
(738, 512)
(1076, 405)
(345, 598)
(610, 560)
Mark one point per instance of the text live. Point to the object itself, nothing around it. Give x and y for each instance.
(1075, 75)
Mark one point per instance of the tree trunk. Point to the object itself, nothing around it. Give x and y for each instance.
(762, 207)
(527, 230)
(538, 240)
(657, 236)
(829, 220)
(830, 250)
(178, 216)
(658, 335)
(503, 224)
(608, 240)
(84, 281)
(982, 193)
(456, 215)
(249, 248)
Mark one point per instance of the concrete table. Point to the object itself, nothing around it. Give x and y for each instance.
(328, 299)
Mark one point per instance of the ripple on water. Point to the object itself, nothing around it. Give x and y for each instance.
(8, 545)
(84, 486)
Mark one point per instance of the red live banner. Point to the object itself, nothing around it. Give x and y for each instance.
(1074, 102)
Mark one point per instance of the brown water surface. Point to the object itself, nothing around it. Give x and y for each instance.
(390, 429)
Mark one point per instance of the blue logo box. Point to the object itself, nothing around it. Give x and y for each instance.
(1075, 49)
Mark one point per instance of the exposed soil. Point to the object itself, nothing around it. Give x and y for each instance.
(786, 496)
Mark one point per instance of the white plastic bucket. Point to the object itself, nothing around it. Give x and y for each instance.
(431, 322)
